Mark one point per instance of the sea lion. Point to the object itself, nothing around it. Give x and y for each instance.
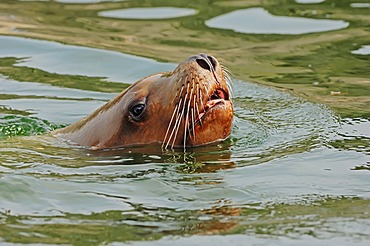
(187, 107)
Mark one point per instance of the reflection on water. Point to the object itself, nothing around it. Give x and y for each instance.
(360, 5)
(77, 1)
(88, 1)
(264, 123)
(148, 13)
(310, 1)
(76, 60)
(260, 21)
(50, 102)
(364, 50)
(354, 135)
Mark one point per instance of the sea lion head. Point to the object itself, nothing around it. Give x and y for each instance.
(189, 106)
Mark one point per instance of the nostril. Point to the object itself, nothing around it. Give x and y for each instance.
(213, 61)
(203, 63)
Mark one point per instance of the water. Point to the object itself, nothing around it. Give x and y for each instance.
(51, 57)
(148, 13)
(260, 21)
(360, 5)
(272, 162)
(294, 171)
(87, 1)
(309, 1)
(364, 50)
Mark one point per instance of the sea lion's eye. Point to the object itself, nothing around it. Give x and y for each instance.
(137, 110)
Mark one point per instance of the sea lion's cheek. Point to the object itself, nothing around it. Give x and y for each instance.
(215, 126)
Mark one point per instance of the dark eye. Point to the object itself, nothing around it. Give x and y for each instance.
(137, 110)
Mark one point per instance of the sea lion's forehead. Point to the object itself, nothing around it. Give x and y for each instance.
(185, 71)
(161, 85)
(147, 82)
(157, 85)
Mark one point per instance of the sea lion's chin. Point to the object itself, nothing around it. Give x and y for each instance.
(213, 126)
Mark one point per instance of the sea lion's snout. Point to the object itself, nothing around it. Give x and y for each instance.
(203, 109)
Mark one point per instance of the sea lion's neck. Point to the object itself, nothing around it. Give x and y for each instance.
(94, 129)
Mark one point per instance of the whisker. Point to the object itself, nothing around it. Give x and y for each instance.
(178, 120)
(185, 132)
(193, 118)
(188, 112)
(201, 97)
(174, 127)
(177, 125)
(227, 75)
(169, 126)
(187, 116)
(200, 120)
(175, 112)
(230, 87)
(226, 69)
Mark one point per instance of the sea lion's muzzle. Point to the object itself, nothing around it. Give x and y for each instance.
(203, 101)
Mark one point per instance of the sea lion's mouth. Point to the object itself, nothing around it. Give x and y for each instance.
(219, 96)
